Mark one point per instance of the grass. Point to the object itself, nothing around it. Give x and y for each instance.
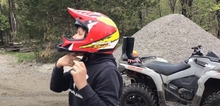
(28, 56)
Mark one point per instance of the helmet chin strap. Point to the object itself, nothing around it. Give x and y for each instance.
(86, 57)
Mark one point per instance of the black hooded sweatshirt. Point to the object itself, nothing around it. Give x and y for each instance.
(104, 83)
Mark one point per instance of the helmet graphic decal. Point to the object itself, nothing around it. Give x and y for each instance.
(90, 25)
(105, 43)
(71, 46)
(106, 21)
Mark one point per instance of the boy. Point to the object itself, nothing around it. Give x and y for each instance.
(94, 80)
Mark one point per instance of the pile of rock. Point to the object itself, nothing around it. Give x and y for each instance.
(171, 37)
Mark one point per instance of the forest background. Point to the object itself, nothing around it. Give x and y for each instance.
(39, 24)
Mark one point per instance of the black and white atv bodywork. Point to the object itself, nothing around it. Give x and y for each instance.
(195, 82)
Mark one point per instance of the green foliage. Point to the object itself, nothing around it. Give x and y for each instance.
(215, 7)
(4, 24)
(3, 3)
(41, 22)
(203, 15)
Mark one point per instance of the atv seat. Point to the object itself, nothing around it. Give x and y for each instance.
(167, 68)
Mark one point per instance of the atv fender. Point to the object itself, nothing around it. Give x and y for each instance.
(201, 82)
(149, 72)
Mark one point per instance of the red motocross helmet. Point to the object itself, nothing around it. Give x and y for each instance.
(102, 35)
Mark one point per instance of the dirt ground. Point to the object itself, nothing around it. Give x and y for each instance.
(27, 84)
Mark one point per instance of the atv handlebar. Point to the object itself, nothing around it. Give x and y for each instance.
(211, 55)
(197, 50)
(197, 47)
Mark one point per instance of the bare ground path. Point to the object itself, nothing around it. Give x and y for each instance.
(27, 84)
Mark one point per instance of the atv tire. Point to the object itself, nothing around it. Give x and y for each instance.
(138, 95)
(212, 100)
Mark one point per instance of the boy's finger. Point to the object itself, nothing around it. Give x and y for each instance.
(82, 64)
(75, 68)
(76, 62)
(77, 59)
(72, 62)
(72, 72)
(78, 65)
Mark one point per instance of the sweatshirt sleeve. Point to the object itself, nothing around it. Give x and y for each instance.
(107, 90)
(59, 81)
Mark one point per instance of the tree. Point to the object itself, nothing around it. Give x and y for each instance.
(172, 5)
(12, 18)
(42, 22)
(4, 27)
(186, 8)
(4, 22)
(217, 9)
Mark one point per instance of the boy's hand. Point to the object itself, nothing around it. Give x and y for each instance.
(79, 74)
(67, 60)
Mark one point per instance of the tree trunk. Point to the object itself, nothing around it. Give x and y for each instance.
(172, 5)
(140, 17)
(1, 38)
(186, 8)
(159, 8)
(218, 19)
(0, 7)
(12, 19)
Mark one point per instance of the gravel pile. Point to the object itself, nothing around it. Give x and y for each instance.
(171, 37)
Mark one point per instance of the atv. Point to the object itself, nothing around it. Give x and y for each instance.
(153, 81)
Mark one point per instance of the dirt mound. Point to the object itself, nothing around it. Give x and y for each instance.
(171, 37)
